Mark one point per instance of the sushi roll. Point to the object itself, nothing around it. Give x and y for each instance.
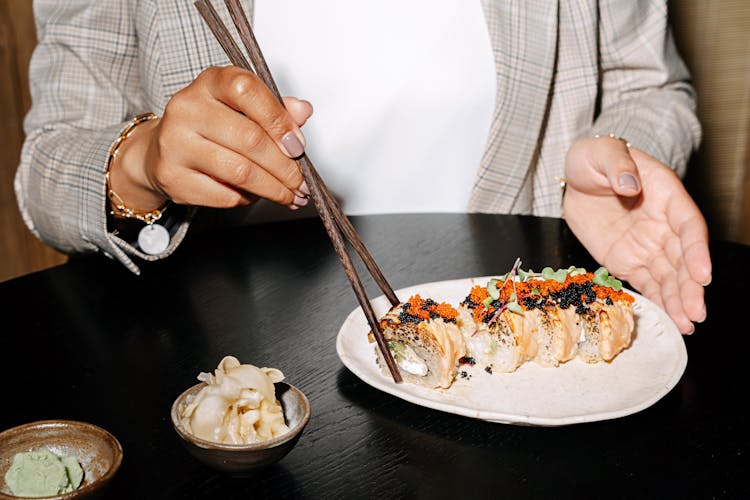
(549, 320)
(425, 340)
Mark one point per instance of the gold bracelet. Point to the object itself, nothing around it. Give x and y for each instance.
(117, 205)
(613, 136)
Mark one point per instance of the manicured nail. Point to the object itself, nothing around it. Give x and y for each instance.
(300, 202)
(304, 189)
(293, 207)
(628, 180)
(293, 145)
(691, 331)
(709, 281)
(704, 314)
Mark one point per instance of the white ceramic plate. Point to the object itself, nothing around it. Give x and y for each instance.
(571, 393)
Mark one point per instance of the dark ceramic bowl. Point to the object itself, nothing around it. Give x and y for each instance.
(98, 452)
(240, 460)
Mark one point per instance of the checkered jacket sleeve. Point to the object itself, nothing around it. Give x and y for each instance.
(646, 94)
(85, 85)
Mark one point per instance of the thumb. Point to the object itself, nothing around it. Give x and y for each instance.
(618, 165)
(299, 109)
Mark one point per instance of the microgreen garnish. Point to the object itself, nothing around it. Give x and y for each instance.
(515, 307)
(602, 277)
(575, 271)
(492, 289)
(550, 274)
(525, 275)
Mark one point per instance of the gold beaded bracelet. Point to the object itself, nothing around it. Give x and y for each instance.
(117, 205)
(613, 136)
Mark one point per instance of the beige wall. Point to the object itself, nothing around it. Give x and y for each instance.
(713, 36)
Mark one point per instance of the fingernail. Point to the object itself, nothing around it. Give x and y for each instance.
(709, 281)
(293, 207)
(704, 314)
(299, 202)
(691, 331)
(293, 145)
(628, 180)
(304, 189)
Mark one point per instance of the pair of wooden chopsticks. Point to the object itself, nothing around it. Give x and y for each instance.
(334, 220)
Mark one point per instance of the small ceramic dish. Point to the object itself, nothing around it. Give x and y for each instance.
(96, 450)
(239, 460)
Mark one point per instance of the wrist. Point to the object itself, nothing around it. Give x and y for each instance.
(127, 170)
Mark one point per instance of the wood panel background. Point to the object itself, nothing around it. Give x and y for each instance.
(713, 37)
(20, 251)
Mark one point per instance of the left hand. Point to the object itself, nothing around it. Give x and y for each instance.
(635, 217)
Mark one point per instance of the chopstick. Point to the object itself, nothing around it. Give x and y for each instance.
(259, 63)
(334, 220)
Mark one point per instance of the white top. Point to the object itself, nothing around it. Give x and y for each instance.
(403, 94)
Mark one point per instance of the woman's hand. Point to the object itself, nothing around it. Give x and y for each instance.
(223, 141)
(634, 216)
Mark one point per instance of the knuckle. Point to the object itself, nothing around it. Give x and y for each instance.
(255, 139)
(279, 122)
(291, 175)
(232, 198)
(242, 86)
(210, 72)
(285, 197)
(241, 174)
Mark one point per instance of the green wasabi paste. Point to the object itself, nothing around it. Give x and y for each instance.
(41, 473)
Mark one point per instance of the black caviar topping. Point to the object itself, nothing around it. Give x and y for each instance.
(575, 294)
(534, 302)
(488, 369)
(467, 360)
(469, 303)
(495, 305)
(405, 317)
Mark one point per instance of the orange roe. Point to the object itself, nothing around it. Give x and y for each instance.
(541, 289)
(602, 292)
(446, 311)
(478, 294)
(418, 307)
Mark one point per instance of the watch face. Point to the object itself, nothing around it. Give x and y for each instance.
(153, 239)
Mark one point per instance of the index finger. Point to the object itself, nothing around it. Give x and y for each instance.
(245, 92)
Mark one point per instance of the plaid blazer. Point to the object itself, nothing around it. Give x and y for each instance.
(565, 69)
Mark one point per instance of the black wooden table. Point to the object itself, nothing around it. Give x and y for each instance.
(89, 341)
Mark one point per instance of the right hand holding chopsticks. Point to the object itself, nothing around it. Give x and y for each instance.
(223, 141)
